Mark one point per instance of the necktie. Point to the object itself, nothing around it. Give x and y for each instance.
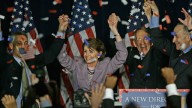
(25, 82)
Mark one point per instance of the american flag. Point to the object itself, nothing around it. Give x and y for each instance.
(81, 27)
(22, 20)
(136, 20)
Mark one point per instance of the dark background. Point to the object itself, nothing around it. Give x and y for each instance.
(44, 8)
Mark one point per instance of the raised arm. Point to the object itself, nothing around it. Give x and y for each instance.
(187, 21)
(51, 54)
(112, 21)
(121, 55)
(152, 12)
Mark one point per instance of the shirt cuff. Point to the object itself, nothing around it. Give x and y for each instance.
(172, 89)
(1, 37)
(112, 35)
(108, 94)
(60, 35)
(154, 22)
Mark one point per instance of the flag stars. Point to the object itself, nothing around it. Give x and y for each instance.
(129, 20)
(23, 29)
(72, 29)
(21, 6)
(82, 19)
(139, 3)
(17, 26)
(76, 16)
(136, 16)
(80, 25)
(27, 2)
(14, 10)
(80, 3)
(189, 11)
(89, 16)
(30, 24)
(16, 3)
(86, 6)
(88, 22)
(142, 13)
(31, 18)
(74, 22)
(135, 23)
(84, 13)
(78, 10)
(26, 9)
(20, 13)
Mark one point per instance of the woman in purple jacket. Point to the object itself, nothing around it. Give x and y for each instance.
(93, 68)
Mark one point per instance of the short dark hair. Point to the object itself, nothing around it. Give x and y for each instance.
(17, 34)
(98, 45)
(143, 29)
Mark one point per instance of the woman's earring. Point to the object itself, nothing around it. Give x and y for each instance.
(99, 55)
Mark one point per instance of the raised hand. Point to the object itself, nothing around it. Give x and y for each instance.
(188, 19)
(154, 8)
(63, 23)
(113, 21)
(168, 74)
(97, 96)
(9, 101)
(147, 9)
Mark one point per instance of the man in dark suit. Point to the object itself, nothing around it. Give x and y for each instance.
(145, 62)
(16, 67)
(180, 51)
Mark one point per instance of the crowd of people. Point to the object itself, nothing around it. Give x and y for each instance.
(21, 88)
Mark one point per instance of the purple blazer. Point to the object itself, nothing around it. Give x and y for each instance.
(78, 67)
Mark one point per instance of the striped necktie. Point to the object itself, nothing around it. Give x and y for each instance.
(25, 82)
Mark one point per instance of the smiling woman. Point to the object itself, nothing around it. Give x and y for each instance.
(93, 68)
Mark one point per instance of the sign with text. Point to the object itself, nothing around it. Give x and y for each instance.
(146, 98)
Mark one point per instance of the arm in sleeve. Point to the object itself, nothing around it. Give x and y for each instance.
(120, 57)
(157, 38)
(65, 60)
(50, 54)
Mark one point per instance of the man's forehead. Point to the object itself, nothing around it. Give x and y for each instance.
(141, 33)
(21, 38)
(178, 32)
